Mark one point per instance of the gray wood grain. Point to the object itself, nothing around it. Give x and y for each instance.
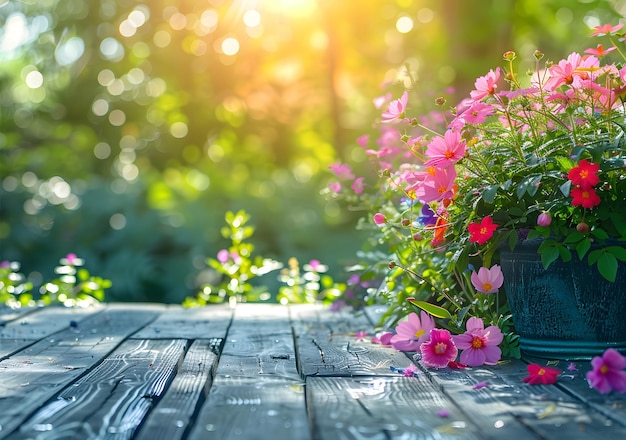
(113, 398)
(177, 322)
(508, 407)
(327, 346)
(384, 408)
(173, 414)
(38, 372)
(250, 408)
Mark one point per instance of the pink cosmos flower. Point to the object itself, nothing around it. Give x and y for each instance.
(600, 51)
(335, 187)
(439, 350)
(396, 108)
(486, 85)
(477, 113)
(488, 280)
(445, 151)
(479, 345)
(413, 332)
(343, 171)
(357, 185)
(438, 184)
(602, 30)
(608, 372)
(363, 140)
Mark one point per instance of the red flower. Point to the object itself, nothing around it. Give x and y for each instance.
(585, 197)
(483, 231)
(585, 174)
(538, 375)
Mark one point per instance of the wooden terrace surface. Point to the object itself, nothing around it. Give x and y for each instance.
(150, 371)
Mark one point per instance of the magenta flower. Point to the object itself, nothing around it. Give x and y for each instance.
(607, 374)
(439, 350)
(363, 140)
(479, 344)
(360, 336)
(544, 219)
(383, 339)
(380, 219)
(413, 332)
(410, 371)
(343, 171)
(488, 280)
(445, 151)
(396, 108)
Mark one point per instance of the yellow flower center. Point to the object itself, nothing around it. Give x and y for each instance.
(541, 372)
(419, 333)
(604, 369)
(487, 287)
(477, 343)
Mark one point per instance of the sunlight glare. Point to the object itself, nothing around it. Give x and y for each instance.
(293, 7)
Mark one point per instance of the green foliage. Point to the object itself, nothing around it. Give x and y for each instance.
(74, 286)
(313, 286)
(14, 288)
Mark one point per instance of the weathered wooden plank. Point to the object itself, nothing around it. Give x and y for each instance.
(574, 382)
(251, 408)
(113, 398)
(37, 373)
(327, 346)
(172, 416)
(39, 323)
(257, 392)
(189, 323)
(506, 407)
(384, 408)
(259, 344)
(8, 314)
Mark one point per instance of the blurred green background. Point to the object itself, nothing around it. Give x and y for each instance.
(128, 128)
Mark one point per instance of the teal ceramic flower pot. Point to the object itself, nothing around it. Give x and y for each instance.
(567, 311)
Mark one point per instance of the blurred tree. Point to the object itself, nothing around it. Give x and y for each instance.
(128, 128)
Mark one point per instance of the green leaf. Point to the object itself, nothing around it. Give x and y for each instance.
(565, 188)
(607, 266)
(582, 248)
(618, 251)
(489, 193)
(548, 256)
(565, 253)
(435, 310)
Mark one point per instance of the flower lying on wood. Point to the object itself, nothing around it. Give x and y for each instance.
(540, 375)
(608, 372)
(479, 345)
(439, 350)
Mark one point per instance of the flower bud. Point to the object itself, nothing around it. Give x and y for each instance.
(417, 236)
(544, 219)
(582, 227)
(380, 219)
(392, 264)
(406, 222)
(509, 55)
(440, 101)
(538, 55)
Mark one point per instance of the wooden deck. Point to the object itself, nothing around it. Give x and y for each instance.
(149, 371)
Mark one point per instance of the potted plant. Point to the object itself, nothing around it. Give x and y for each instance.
(524, 159)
